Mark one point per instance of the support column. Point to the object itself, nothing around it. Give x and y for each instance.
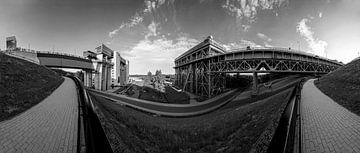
(101, 77)
(87, 79)
(108, 71)
(196, 79)
(97, 80)
(255, 84)
(209, 79)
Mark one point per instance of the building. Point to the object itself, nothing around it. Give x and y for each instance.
(127, 71)
(11, 43)
(120, 70)
(101, 78)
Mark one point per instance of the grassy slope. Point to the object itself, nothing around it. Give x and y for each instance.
(343, 86)
(23, 85)
(228, 130)
(169, 96)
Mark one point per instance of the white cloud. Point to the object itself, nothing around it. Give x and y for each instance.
(150, 6)
(157, 54)
(267, 44)
(152, 29)
(246, 27)
(264, 37)
(247, 9)
(136, 19)
(241, 44)
(316, 45)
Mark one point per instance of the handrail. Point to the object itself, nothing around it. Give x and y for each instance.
(284, 139)
(47, 52)
(91, 135)
(293, 124)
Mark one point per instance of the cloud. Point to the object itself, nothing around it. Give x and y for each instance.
(150, 7)
(136, 19)
(247, 9)
(158, 54)
(246, 27)
(317, 46)
(152, 29)
(264, 37)
(267, 44)
(241, 44)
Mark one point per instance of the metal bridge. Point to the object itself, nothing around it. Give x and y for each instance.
(61, 60)
(202, 69)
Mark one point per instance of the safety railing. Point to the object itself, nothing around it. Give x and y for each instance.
(91, 135)
(45, 52)
(287, 137)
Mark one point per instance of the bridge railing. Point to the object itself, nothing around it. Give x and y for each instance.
(273, 48)
(49, 52)
(288, 50)
(287, 137)
(91, 135)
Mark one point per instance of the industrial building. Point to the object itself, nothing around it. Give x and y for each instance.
(100, 78)
(119, 71)
(11, 43)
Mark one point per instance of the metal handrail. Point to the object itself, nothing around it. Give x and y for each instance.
(49, 52)
(91, 135)
(284, 138)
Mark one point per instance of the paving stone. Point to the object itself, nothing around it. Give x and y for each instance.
(326, 126)
(45, 127)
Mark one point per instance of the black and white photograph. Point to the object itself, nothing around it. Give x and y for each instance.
(180, 76)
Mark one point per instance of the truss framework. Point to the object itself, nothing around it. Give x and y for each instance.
(202, 70)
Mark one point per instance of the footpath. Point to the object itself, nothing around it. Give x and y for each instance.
(50, 126)
(326, 126)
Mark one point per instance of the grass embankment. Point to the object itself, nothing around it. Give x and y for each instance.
(121, 89)
(23, 84)
(170, 95)
(234, 129)
(343, 86)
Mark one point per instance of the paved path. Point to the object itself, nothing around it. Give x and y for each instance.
(327, 126)
(50, 126)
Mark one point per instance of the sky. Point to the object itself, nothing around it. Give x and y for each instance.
(152, 33)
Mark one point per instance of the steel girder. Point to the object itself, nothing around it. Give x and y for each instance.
(207, 77)
(269, 65)
(202, 69)
(197, 78)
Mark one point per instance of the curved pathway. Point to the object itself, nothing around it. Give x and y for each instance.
(50, 126)
(325, 125)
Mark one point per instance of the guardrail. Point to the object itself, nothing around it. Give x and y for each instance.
(45, 52)
(91, 135)
(287, 135)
